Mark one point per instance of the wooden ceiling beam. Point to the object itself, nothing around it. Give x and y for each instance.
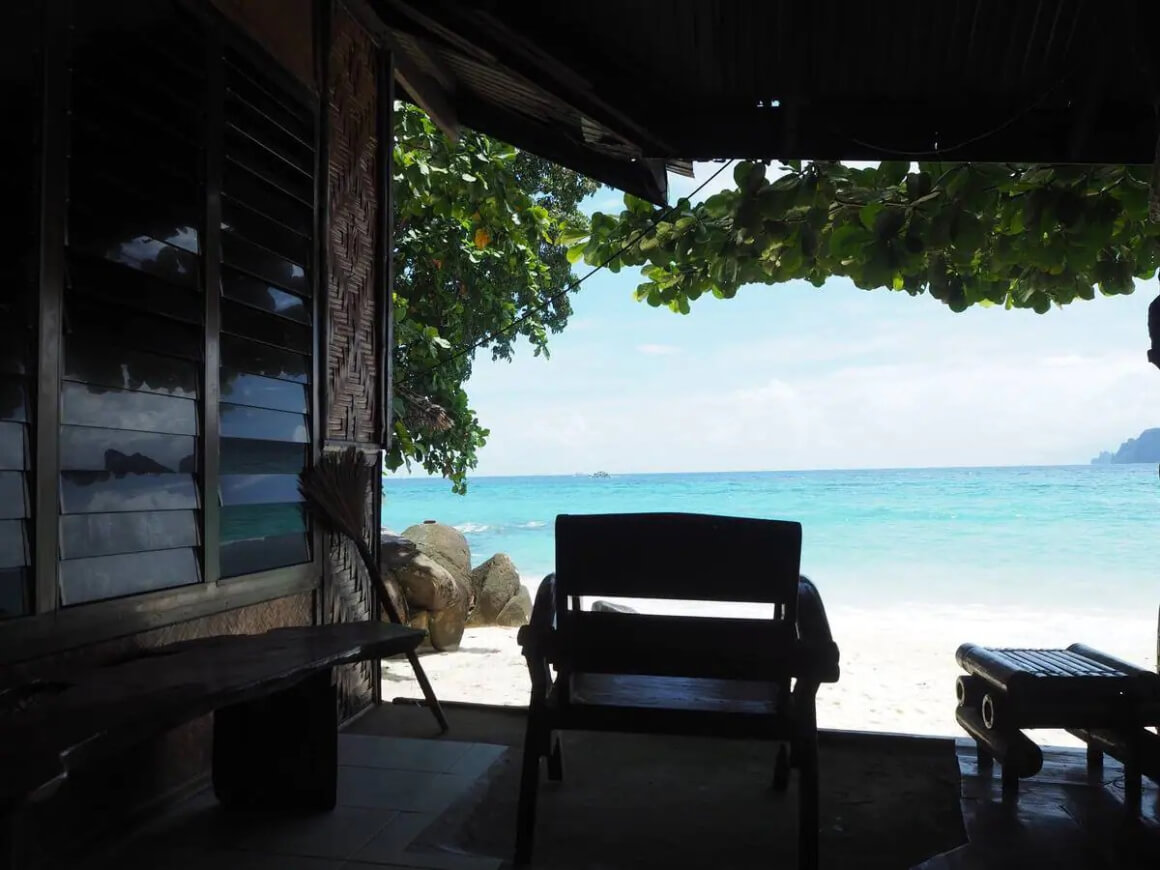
(435, 95)
(643, 178)
(431, 94)
(537, 65)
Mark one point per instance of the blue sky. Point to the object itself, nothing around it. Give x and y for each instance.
(794, 377)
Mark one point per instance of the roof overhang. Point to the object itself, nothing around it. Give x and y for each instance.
(621, 90)
(467, 68)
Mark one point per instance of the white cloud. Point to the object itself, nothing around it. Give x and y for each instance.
(948, 409)
(658, 349)
(796, 378)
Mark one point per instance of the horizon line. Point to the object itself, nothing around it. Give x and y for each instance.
(395, 475)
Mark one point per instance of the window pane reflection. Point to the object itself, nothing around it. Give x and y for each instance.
(248, 522)
(121, 409)
(111, 366)
(12, 400)
(263, 554)
(240, 388)
(241, 422)
(259, 488)
(12, 447)
(238, 354)
(13, 500)
(264, 296)
(13, 547)
(104, 534)
(243, 456)
(85, 492)
(13, 592)
(103, 577)
(123, 452)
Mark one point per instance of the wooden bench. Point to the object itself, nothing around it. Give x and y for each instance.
(275, 729)
(708, 676)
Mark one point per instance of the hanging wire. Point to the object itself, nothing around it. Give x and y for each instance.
(940, 150)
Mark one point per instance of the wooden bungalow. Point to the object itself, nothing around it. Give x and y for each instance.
(195, 267)
(197, 257)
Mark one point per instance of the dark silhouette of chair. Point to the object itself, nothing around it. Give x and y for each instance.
(691, 675)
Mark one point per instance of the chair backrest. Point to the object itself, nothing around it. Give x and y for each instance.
(677, 556)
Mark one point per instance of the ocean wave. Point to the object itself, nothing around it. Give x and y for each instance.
(531, 524)
(473, 528)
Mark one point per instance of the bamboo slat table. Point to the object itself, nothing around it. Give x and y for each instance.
(1107, 702)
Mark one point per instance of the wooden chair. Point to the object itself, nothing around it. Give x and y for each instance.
(720, 677)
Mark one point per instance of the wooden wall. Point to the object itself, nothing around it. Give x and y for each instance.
(285, 28)
(349, 348)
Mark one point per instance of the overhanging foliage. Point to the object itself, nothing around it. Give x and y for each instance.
(1019, 235)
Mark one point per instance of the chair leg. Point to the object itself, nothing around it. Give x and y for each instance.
(1133, 788)
(808, 812)
(1010, 781)
(1095, 759)
(983, 756)
(555, 758)
(781, 768)
(529, 785)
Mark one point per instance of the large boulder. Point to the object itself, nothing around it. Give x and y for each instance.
(493, 584)
(445, 626)
(444, 544)
(420, 619)
(518, 611)
(395, 549)
(426, 584)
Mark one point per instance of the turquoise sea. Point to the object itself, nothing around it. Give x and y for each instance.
(1071, 538)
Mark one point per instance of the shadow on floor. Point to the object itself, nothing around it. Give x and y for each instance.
(401, 794)
(1063, 818)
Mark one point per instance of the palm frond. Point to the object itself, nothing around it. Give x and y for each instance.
(336, 490)
(420, 413)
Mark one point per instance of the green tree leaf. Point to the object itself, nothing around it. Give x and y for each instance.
(451, 294)
(1023, 235)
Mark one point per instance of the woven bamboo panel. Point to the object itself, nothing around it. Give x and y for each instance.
(353, 204)
(348, 598)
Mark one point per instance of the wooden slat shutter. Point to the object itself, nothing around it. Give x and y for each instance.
(130, 494)
(267, 284)
(18, 190)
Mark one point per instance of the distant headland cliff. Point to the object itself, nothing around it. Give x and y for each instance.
(1145, 448)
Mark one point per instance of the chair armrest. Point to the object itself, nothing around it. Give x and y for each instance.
(537, 637)
(817, 655)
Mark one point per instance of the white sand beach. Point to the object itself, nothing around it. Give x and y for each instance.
(898, 665)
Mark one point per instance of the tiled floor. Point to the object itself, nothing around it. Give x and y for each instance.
(389, 790)
(392, 788)
(1062, 818)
